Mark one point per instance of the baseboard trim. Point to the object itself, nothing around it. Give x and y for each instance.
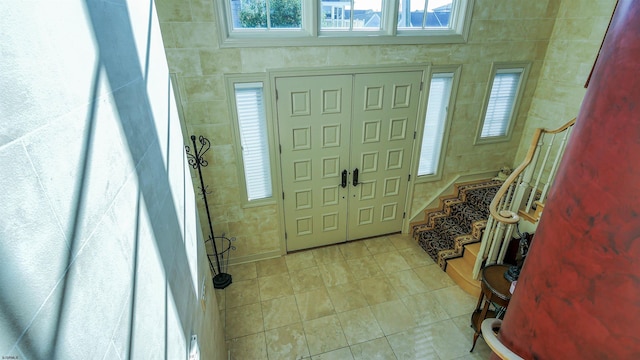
(255, 257)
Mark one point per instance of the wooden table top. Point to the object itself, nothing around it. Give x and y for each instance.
(493, 277)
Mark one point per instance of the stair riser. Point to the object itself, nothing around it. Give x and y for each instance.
(470, 286)
(469, 258)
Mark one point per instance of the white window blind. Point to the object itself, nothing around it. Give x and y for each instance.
(252, 123)
(434, 124)
(504, 91)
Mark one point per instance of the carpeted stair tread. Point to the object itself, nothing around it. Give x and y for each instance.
(458, 221)
(450, 228)
(466, 215)
(432, 243)
(481, 198)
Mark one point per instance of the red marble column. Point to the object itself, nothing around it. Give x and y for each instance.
(578, 296)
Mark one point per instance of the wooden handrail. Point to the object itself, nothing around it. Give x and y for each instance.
(562, 128)
(509, 217)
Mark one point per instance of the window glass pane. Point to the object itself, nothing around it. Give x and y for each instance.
(351, 15)
(249, 14)
(501, 101)
(434, 124)
(367, 14)
(334, 15)
(253, 139)
(424, 14)
(285, 14)
(266, 14)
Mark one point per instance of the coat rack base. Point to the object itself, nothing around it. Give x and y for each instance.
(221, 281)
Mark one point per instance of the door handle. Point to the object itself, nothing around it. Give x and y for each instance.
(344, 179)
(355, 177)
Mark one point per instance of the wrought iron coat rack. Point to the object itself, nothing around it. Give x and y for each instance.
(221, 279)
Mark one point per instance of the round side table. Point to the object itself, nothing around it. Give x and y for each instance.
(495, 289)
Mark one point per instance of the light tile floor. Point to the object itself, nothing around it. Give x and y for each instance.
(380, 298)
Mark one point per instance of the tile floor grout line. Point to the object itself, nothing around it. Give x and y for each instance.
(453, 320)
(303, 329)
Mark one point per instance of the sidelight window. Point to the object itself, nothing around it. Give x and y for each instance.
(434, 124)
(252, 129)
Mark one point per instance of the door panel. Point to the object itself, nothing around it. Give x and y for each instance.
(384, 117)
(313, 123)
(329, 124)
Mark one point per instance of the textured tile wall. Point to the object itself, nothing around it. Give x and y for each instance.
(501, 31)
(578, 32)
(100, 255)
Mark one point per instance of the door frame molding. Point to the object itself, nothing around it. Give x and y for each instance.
(273, 74)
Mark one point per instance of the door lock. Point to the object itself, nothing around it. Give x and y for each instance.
(355, 177)
(344, 179)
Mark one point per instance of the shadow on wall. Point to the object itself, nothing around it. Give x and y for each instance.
(129, 257)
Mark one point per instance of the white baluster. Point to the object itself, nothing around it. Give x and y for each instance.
(524, 182)
(505, 244)
(556, 163)
(503, 232)
(541, 168)
(484, 246)
(510, 196)
(496, 243)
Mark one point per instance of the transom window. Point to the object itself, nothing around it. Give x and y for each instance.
(247, 23)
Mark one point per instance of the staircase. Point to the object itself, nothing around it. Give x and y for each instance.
(475, 225)
(449, 232)
(523, 194)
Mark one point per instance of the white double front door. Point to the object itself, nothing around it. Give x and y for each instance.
(346, 144)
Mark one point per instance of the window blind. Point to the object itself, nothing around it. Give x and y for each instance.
(252, 123)
(434, 124)
(504, 91)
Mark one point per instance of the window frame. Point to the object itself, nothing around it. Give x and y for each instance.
(442, 69)
(496, 68)
(231, 80)
(311, 34)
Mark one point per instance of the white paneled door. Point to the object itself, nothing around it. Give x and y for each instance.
(346, 144)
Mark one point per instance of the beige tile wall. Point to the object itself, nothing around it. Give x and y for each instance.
(97, 224)
(578, 32)
(501, 30)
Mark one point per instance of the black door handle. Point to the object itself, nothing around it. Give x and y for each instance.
(355, 177)
(344, 179)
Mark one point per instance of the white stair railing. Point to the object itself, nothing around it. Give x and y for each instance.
(522, 193)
